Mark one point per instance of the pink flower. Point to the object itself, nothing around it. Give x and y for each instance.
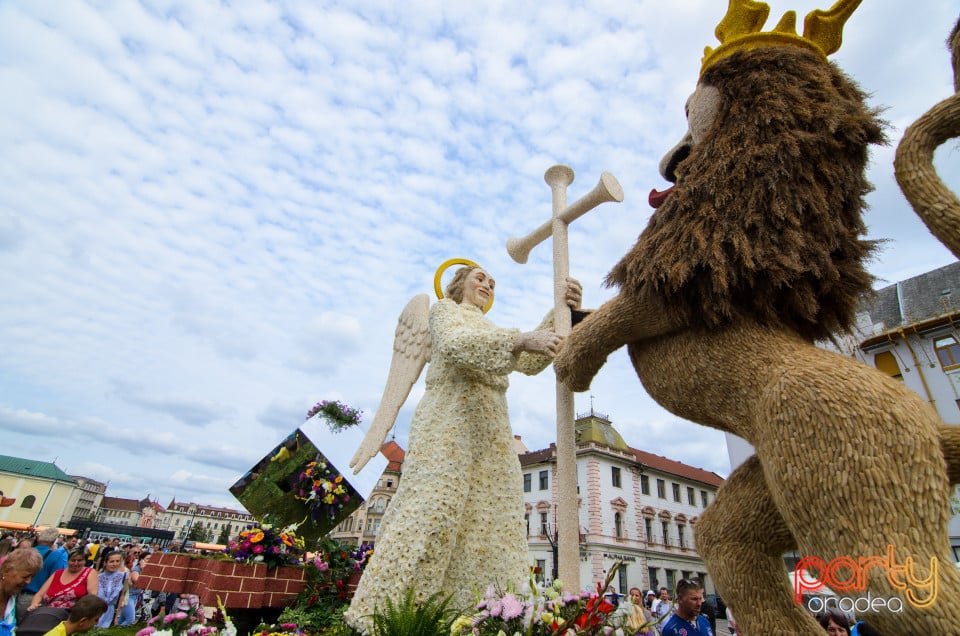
(512, 607)
(289, 625)
(146, 631)
(257, 549)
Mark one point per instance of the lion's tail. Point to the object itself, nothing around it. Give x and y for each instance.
(930, 198)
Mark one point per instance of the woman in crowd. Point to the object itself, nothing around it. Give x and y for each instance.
(65, 586)
(133, 566)
(17, 570)
(6, 546)
(113, 585)
(836, 623)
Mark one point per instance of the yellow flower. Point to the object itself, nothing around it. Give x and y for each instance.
(464, 623)
(328, 499)
(339, 490)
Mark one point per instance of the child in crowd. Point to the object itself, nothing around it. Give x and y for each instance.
(84, 615)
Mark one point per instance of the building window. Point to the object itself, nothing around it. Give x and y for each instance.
(652, 575)
(544, 480)
(648, 526)
(527, 482)
(615, 476)
(691, 498)
(676, 492)
(618, 526)
(886, 362)
(622, 574)
(680, 529)
(380, 504)
(526, 518)
(666, 537)
(948, 351)
(703, 498)
(671, 580)
(661, 489)
(376, 526)
(541, 568)
(28, 501)
(543, 524)
(644, 484)
(389, 483)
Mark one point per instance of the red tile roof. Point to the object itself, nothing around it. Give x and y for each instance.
(394, 454)
(119, 503)
(658, 462)
(655, 462)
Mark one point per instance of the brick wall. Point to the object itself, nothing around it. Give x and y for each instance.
(239, 585)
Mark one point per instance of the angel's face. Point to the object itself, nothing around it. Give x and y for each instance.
(478, 288)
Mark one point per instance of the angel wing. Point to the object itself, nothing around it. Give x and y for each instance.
(411, 351)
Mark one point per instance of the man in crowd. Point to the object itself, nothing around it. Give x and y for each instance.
(662, 607)
(687, 620)
(53, 559)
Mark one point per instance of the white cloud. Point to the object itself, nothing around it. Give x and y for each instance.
(212, 215)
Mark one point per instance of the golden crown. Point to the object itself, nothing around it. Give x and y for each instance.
(740, 30)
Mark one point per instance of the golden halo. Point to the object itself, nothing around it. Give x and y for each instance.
(443, 267)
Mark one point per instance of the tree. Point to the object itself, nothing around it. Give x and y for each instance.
(224, 537)
(198, 533)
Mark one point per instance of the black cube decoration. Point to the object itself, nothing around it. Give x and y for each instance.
(295, 487)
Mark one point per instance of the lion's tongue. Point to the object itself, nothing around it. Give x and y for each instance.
(656, 198)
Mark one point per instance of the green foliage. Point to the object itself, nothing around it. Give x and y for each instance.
(198, 533)
(224, 537)
(432, 617)
(319, 607)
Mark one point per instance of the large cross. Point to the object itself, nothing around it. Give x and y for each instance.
(568, 516)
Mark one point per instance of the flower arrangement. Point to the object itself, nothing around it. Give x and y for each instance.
(339, 416)
(177, 624)
(283, 629)
(322, 489)
(260, 543)
(547, 612)
(325, 595)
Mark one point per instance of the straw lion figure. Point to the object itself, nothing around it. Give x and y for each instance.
(754, 254)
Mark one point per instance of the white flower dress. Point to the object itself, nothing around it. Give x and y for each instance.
(456, 521)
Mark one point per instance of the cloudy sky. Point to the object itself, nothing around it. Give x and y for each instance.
(211, 214)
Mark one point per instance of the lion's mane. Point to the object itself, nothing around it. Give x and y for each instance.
(765, 220)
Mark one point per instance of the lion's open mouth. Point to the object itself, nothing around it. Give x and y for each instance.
(657, 198)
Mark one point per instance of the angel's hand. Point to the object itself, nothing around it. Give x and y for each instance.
(574, 293)
(369, 448)
(542, 341)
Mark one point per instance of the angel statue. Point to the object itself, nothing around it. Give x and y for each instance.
(456, 521)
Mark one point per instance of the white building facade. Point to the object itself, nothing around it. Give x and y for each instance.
(634, 507)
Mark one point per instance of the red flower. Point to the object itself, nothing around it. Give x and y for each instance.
(597, 609)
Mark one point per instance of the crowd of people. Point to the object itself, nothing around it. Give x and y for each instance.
(43, 570)
(686, 613)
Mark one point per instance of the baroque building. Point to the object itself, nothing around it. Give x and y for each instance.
(634, 507)
(363, 523)
(44, 495)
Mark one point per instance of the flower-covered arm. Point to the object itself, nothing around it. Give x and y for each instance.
(533, 363)
(468, 339)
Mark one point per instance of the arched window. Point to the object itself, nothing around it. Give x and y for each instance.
(885, 361)
(380, 504)
(948, 352)
(618, 525)
(28, 501)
